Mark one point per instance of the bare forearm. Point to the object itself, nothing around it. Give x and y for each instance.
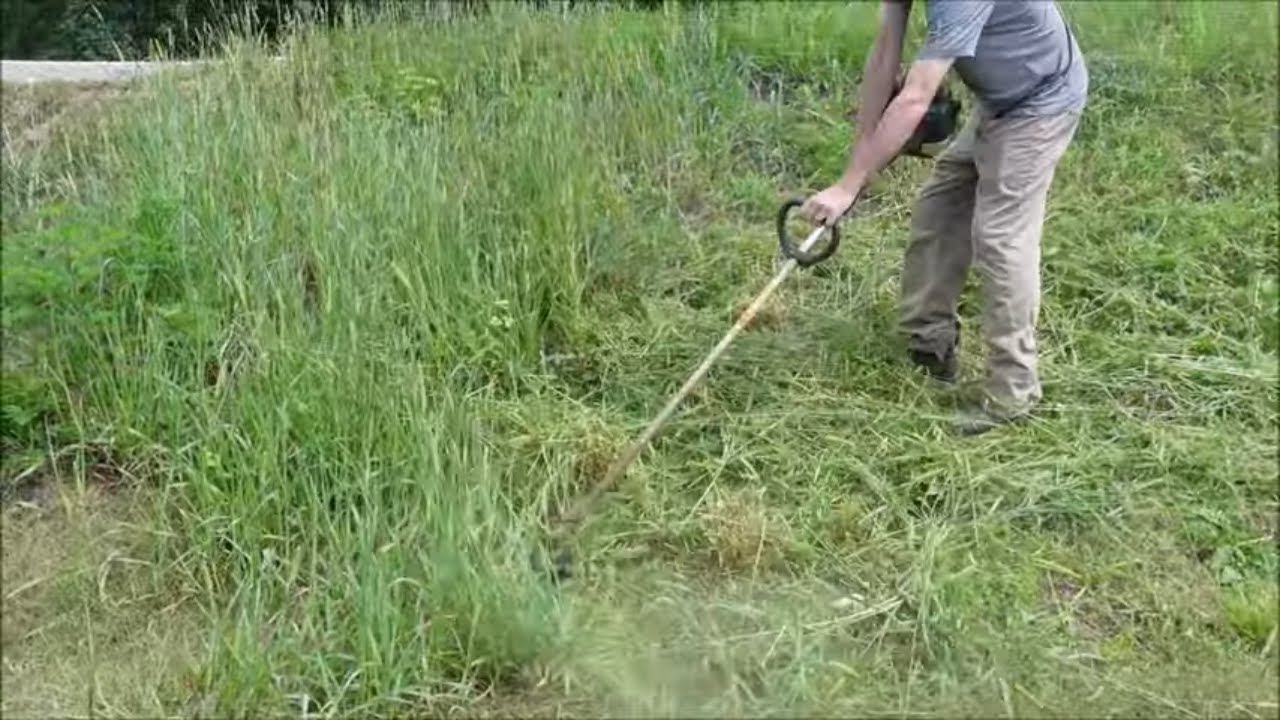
(877, 79)
(872, 153)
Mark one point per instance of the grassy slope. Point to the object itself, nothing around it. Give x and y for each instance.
(361, 319)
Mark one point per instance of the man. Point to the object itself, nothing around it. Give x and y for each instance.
(985, 202)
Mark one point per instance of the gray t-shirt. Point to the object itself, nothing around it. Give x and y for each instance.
(1009, 50)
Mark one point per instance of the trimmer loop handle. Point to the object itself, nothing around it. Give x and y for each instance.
(802, 257)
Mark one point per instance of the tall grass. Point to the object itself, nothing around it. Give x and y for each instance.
(371, 312)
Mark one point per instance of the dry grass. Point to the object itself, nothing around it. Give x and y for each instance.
(83, 632)
(36, 115)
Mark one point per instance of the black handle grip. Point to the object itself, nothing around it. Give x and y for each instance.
(803, 259)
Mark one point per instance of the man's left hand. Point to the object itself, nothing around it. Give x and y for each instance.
(828, 206)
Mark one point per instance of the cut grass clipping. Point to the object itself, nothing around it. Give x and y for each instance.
(343, 329)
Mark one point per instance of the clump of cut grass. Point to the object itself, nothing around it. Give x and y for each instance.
(378, 308)
(743, 534)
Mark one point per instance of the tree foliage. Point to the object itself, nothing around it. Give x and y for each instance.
(134, 29)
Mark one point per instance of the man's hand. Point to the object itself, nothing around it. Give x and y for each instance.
(828, 206)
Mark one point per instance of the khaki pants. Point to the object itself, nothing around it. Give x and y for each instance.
(985, 205)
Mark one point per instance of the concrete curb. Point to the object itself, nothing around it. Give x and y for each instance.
(74, 71)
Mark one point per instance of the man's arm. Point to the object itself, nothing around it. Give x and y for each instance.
(953, 33)
(954, 29)
(881, 68)
(899, 122)
(873, 152)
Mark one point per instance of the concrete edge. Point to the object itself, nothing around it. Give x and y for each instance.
(76, 71)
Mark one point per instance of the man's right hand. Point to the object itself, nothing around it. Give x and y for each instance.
(828, 206)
